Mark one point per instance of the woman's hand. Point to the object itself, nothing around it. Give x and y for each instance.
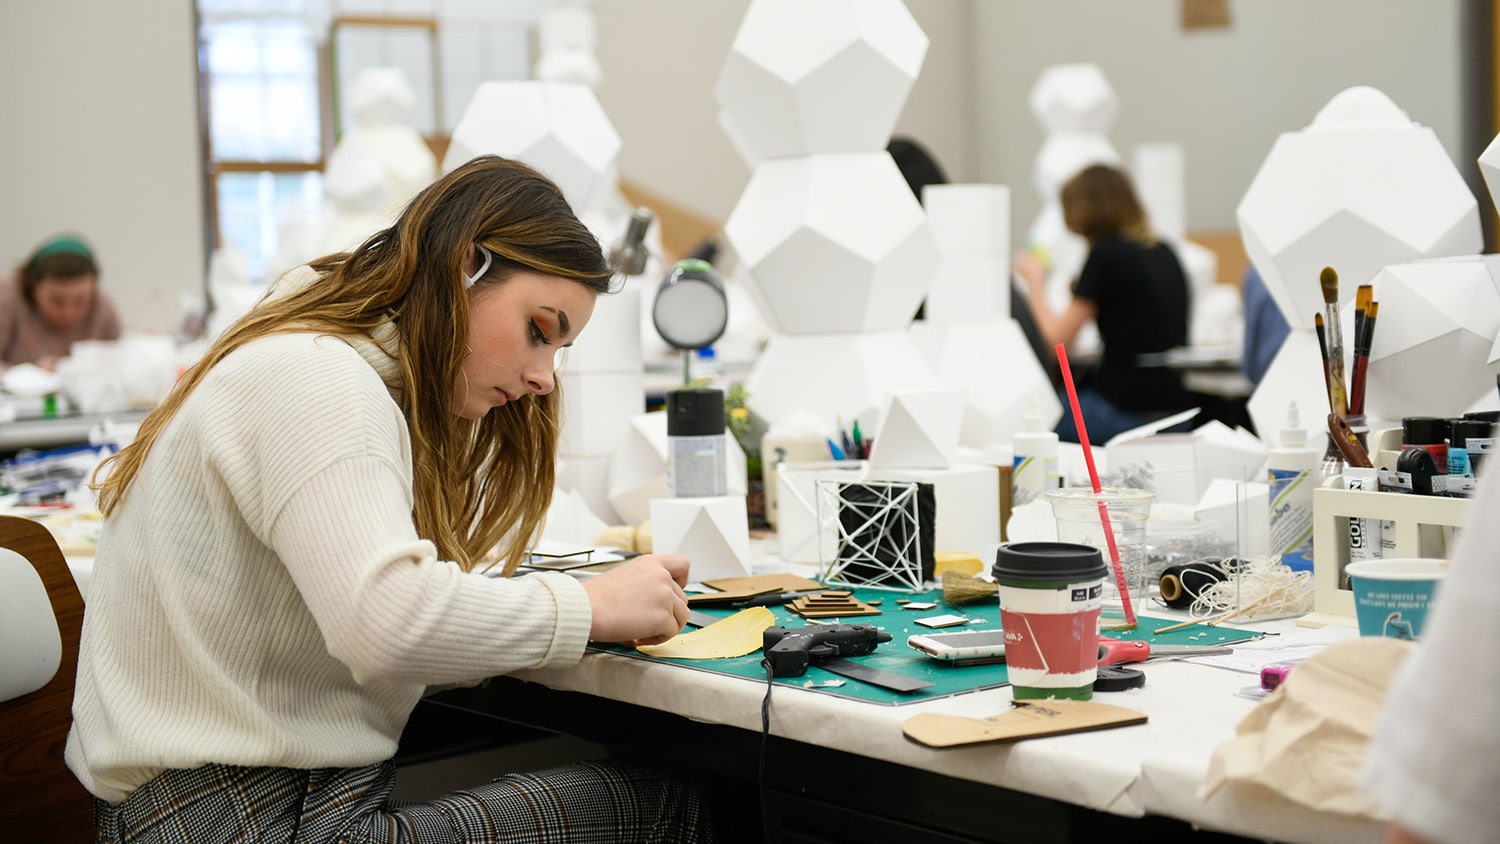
(1028, 265)
(640, 601)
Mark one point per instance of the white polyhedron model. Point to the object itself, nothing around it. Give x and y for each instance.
(1489, 167)
(834, 243)
(919, 429)
(971, 226)
(714, 533)
(380, 104)
(835, 375)
(995, 364)
(1074, 98)
(1437, 323)
(565, 41)
(557, 127)
(785, 86)
(1360, 188)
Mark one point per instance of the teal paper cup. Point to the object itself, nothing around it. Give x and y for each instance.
(1392, 597)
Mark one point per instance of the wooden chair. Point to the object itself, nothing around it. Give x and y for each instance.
(40, 799)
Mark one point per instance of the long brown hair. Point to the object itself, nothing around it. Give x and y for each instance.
(476, 483)
(1100, 202)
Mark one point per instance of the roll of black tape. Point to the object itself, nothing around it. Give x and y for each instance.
(1181, 585)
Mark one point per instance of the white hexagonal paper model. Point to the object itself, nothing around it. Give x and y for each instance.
(713, 533)
(1437, 323)
(1360, 188)
(557, 127)
(919, 430)
(844, 376)
(1489, 167)
(1074, 97)
(381, 96)
(994, 363)
(786, 84)
(834, 243)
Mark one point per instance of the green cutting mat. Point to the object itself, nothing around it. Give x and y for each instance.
(895, 656)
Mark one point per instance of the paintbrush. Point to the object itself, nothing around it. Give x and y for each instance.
(1364, 337)
(1322, 348)
(1338, 395)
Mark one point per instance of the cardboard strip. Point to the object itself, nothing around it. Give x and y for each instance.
(1029, 719)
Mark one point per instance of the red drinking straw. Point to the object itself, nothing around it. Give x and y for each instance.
(1088, 458)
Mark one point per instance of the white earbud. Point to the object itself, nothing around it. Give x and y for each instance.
(469, 280)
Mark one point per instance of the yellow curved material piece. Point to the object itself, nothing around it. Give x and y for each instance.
(737, 635)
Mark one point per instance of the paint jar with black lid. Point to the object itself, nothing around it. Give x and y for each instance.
(1430, 433)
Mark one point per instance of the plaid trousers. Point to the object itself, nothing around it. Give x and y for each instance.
(586, 802)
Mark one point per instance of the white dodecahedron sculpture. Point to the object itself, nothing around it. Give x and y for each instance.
(995, 365)
(834, 243)
(1437, 323)
(380, 104)
(835, 375)
(1074, 98)
(557, 127)
(1360, 188)
(381, 96)
(786, 86)
(565, 40)
(971, 226)
(1489, 167)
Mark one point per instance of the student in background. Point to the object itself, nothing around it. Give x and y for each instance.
(291, 547)
(53, 301)
(1134, 288)
(1265, 327)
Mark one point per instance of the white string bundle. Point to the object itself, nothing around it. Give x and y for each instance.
(1266, 589)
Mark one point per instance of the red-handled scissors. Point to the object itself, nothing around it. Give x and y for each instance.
(1119, 651)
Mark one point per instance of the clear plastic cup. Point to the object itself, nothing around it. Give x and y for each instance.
(1076, 510)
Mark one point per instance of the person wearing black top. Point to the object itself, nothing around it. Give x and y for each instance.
(1134, 288)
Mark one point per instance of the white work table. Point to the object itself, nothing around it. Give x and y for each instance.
(1154, 768)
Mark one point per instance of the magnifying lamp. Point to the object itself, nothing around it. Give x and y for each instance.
(691, 309)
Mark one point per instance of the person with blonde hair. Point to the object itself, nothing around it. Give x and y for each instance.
(1133, 287)
(52, 302)
(291, 546)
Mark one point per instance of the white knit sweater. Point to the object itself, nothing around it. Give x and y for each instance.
(261, 596)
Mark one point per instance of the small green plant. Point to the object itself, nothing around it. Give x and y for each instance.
(742, 426)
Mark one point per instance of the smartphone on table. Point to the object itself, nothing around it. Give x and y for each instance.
(970, 647)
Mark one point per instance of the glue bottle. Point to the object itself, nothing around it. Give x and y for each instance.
(1292, 470)
(1035, 468)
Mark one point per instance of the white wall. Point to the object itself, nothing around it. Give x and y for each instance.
(99, 134)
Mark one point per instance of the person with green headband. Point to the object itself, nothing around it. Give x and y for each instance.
(52, 302)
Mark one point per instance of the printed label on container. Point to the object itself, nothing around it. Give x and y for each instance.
(1031, 477)
(1291, 511)
(1051, 635)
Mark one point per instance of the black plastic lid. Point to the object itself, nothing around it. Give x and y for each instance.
(1485, 415)
(1463, 429)
(1048, 562)
(1424, 430)
(695, 412)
